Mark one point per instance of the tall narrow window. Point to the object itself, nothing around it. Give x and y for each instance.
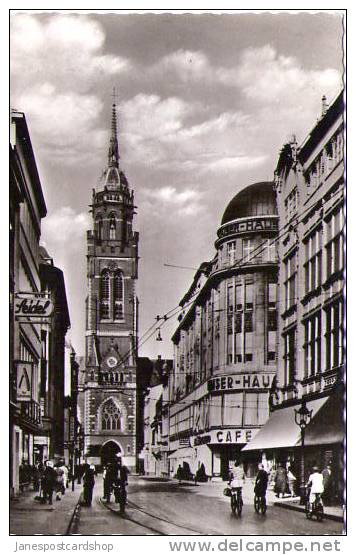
(290, 356)
(118, 296)
(231, 252)
(290, 284)
(99, 228)
(247, 251)
(105, 295)
(112, 227)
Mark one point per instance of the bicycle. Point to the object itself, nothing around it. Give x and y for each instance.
(314, 509)
(260, 504)
(236, 501)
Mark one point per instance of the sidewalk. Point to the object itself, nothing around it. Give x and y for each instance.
(215, 489)
(28, 517)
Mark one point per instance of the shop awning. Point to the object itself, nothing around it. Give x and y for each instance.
(281, 430)
(328, 426)
(184, 453)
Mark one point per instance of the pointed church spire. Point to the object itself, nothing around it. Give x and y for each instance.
(113, 156)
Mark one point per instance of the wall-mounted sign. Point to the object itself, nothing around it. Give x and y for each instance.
(23, 380)
(240, 381)
(239, 435)
(247, 226)
(32, 306)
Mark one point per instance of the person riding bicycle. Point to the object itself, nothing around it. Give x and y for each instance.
(237, 476)
(315, 483)
(120, 475)
(261, 482)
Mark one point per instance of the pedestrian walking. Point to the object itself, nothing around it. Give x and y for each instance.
(180, 474)
(327, 484)
(280, 485)
(88, 485)
(59, 481)
(291, 482)
(107, 481)
(49, 482)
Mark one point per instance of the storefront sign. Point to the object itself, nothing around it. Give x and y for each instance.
(32, 306)
(247, 226)
(240, 381)
(23, 380)
(239, 435)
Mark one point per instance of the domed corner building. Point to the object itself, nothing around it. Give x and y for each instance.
(225, 343)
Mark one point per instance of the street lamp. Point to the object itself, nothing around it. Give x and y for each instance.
(302, 418)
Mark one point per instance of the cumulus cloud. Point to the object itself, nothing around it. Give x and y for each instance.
(65, 227)
(265, 76)
(183, 201)
(66, 49)
(55, 61)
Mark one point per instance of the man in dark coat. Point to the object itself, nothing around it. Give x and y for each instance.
(49, 482)
(261, 482)
(88, 485)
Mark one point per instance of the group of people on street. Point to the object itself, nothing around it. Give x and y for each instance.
(52, 479)
(284, 481)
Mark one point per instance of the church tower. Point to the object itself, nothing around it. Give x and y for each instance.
(111, 317)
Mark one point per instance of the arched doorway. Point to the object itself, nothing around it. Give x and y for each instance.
(108, 452)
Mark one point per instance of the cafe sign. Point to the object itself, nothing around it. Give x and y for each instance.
(240, 382)
(234, 435)
(23, 380)
(32, 306)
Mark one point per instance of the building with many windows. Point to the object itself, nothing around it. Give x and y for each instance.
(111, 317)
(309, 182)
(225, 343)
(27, 208)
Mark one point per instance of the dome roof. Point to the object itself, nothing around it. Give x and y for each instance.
(258, 199)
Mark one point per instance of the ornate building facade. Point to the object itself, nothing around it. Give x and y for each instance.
(225, 343)
(310, 187)
(111, 317)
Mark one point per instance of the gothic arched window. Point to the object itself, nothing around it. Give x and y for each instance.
(110, 416)
(112, 227)
(118, 296)
(104, 295)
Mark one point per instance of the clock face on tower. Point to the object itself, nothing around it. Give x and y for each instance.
(111, 361)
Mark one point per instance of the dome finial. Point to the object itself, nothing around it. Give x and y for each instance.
(113, 155)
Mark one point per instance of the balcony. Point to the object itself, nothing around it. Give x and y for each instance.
(31, 411)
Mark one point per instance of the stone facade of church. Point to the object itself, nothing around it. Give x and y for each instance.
(111, 317)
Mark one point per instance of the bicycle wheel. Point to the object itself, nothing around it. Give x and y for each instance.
(233, 504)
(320, 513)
(257, 504)
(263, 505)
(239, 506)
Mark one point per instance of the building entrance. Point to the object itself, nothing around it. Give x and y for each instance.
(108, 452)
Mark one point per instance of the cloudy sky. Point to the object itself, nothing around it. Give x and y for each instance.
(205, 104)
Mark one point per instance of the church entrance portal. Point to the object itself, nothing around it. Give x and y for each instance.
(108, 452)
